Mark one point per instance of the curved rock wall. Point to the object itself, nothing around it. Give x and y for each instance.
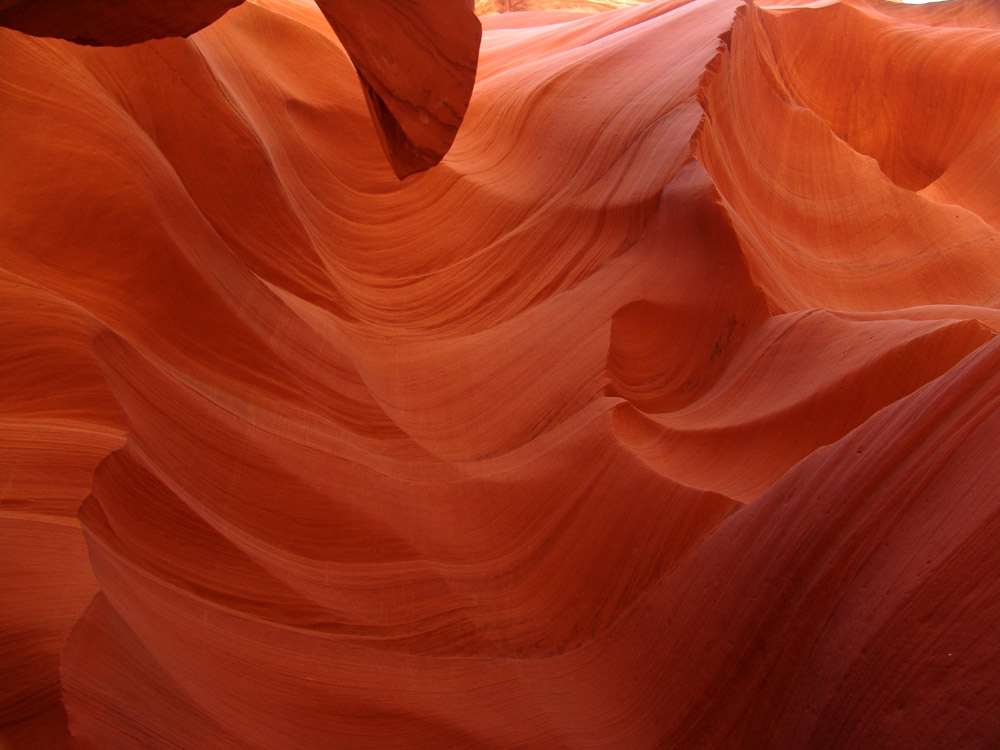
(663, 412)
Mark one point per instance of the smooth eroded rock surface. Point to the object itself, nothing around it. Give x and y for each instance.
(663, 412)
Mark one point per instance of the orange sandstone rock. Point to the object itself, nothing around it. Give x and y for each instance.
(417, 66)
(663, 412)
(416, 61)
(114, 22)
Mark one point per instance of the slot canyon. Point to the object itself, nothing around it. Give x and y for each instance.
(549, 374)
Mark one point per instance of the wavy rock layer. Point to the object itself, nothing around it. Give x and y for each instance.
(484, 7)
(573, 441)
(416, 61)
(848, 128)
(417, 66)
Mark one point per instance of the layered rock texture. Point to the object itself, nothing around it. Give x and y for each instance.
(416, 61)
(664, 412)
(484, 7)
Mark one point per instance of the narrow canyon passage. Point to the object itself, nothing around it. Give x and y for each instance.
(582, 375)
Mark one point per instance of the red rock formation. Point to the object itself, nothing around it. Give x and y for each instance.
(575, 440)
(115, 22)
(58, 420)
(930, 230)
(484, 7)
(416, 61)
(417, 65)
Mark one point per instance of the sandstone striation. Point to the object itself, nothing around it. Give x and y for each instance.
(416, 61)
(664, 411)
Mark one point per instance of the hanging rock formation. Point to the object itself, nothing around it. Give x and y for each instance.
(416, 61)
(111, 22)
(417, 65)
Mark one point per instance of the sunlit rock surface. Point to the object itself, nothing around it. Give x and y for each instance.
(484, 7)
(663, 412)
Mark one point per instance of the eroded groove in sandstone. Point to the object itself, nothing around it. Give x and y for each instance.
(416, 60)
(661, 413)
